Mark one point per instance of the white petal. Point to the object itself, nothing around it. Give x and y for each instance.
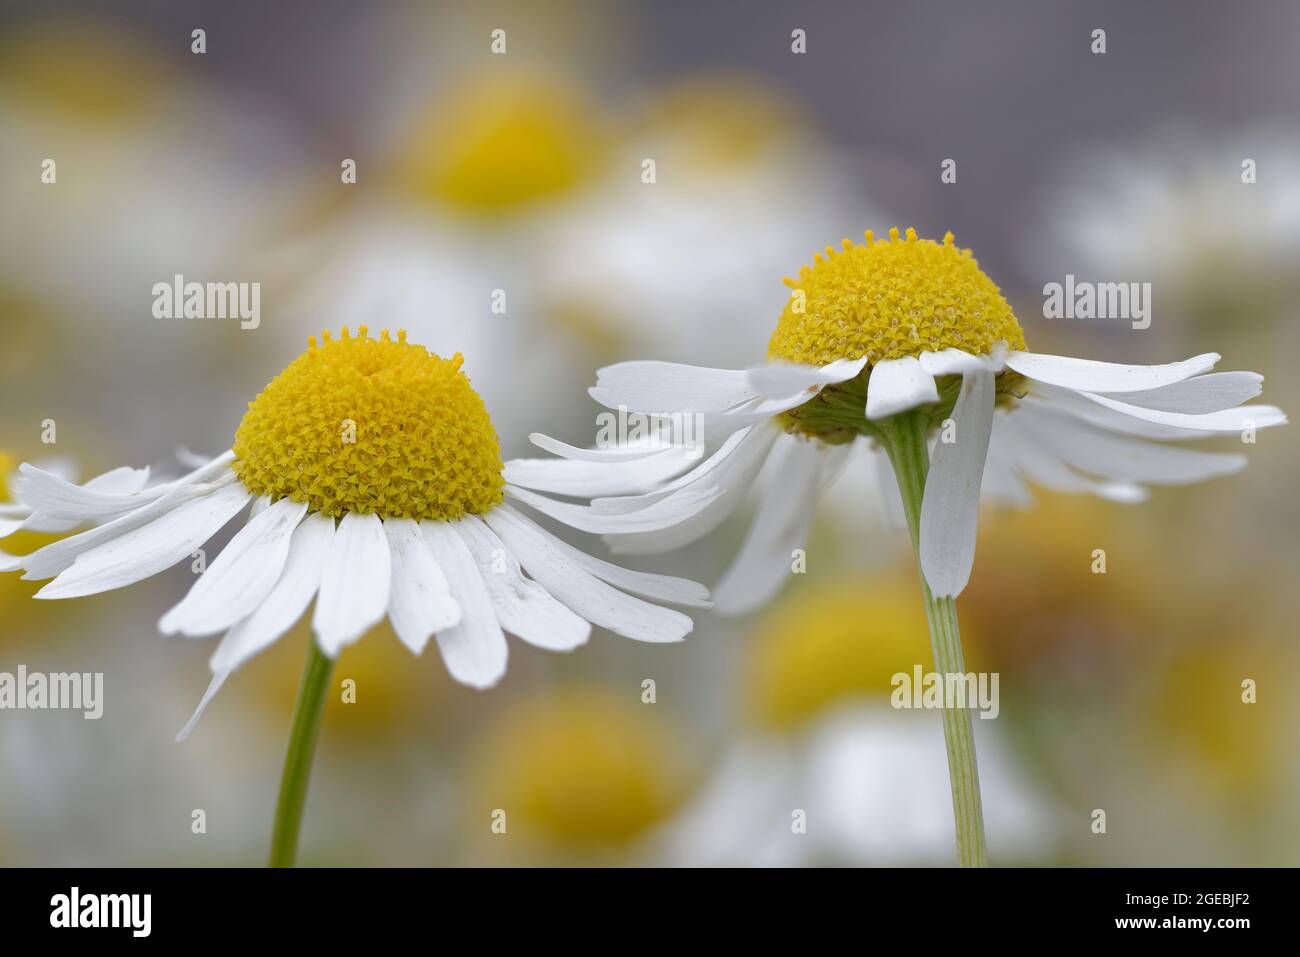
(581, 591)
(151, 548)
(734, 476)
(679, 591)
(1121, 457)
(419, 602)
(354, 583)
(1200, 394)
(713, 469)
(240, 577)
(57, 556)
(1073, 403)
(592, 479)
(897, 385)
(522, 606)
(474, 651)
(779, 379)
(293, 591)
(213, 687)
(677, 508)
(784, 516)
(620, 453)
(1225, 420)
(957, 362)
(56, 498)
(1093, 376)
(1044, 467)
(10, 525)
(891, 499)
(951, 503)
(664, 387)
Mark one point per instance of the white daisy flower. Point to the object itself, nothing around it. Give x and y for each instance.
(375, 480)
(908, 345)
(870, 334)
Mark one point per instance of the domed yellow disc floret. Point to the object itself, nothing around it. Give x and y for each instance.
(887, 300)
(372, 426)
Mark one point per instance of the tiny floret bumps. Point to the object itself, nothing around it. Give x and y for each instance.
(371, 426)
(887, 300)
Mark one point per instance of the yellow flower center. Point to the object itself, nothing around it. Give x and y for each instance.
(887, 300)
(499, 142)
(580, 767)
(372, 426)
(818, 648)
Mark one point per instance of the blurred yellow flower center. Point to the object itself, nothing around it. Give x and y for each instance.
(372, 426)
(7, 465)
(581, 767)
(831, 643)
(887, 300)
(499, 142)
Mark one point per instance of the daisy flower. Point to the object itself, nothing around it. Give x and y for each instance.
(906, 345)
(376, 488)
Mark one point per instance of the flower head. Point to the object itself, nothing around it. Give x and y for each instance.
(376, 485)
(907, 334)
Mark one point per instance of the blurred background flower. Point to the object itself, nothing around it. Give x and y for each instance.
(521, 173)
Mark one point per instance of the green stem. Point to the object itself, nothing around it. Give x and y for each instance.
(307, 715)
(904, 440)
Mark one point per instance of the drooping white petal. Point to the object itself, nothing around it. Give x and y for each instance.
(151, 548)
(213, 687)
(1093, 376)
(124, 480)
(679, 591)
(663, 387)
(522, 606)
(897, 385)
(890, 497)
(1074, 404)
(1225, 420)
(734, 476)
(54, 497)
(711, 470)
(1120, 457)
(308, 548)
(581, 591)
(591, 479)
(676, 508)
(619, 453)
(1044, 467)
(57, 556)
(950, 505)
(240, 577)
(1201, 394)
(419, 601)
(785, 514)
(779, 380)
(354, 583)
(474, 650)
